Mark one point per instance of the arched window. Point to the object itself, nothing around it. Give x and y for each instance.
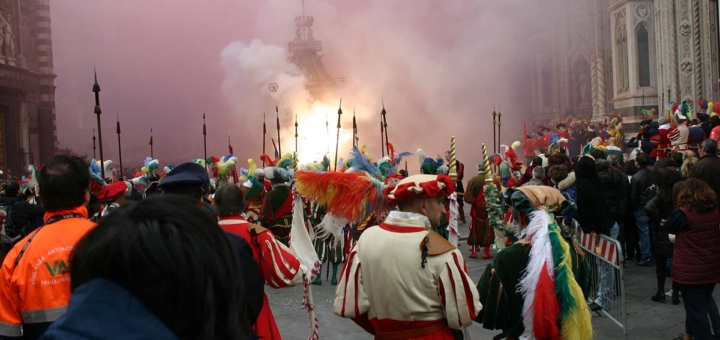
(643, 50)
(621, 50)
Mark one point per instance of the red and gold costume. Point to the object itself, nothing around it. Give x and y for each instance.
(422, 290)
(279, 266)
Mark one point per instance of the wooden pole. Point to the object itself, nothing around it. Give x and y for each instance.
(98, 112)
(94, 155)
(204, 143)
(494, 114)
(119, 145)
(277, 122)
(499, 140)
(264, 137)
(152, 155)
(337, 139)
(387, 140)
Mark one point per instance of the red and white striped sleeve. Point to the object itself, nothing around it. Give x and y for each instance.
(460, 297)
(279, 265)
(350, 298)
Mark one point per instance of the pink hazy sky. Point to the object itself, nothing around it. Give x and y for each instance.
(158, 64)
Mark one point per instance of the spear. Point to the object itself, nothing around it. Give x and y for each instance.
(499, 142)
(264, 133)
(296, 134)
(277, 121)
(119, 144)
(453, 161)
(355, 129)
(327, 132)
(494, 122)
(382, 130)
(94, 155)
(204, 142)
(151, 144)
(387, 140)
(337, 139)
(233, 172)
(98, 112)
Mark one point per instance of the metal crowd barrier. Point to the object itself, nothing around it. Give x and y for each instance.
(607, 286)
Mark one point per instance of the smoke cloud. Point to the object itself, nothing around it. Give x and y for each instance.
(438, 66)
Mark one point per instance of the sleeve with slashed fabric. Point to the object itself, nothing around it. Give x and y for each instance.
(10, 320)
(279, 265)
(350, 298)
(460, 297)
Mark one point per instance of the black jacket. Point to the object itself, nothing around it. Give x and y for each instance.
(708, 170)
(639, 193)
(616, 192)
(24, 214)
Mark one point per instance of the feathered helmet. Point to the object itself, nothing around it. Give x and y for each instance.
(428, 165)
(547, 284)
(424, 186)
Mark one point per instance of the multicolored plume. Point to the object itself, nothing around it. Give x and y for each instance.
(350, 195)
(267, 160)
(360, 163)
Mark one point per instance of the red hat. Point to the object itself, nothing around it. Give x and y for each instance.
(112, 191)
(425, 186)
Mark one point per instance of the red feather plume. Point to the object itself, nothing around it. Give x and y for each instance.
(267, 160)
(547, 309)
(391, 153)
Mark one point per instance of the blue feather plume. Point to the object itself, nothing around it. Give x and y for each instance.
(359, 162)
(228, 156)
(94, 167)
(147, 161)
(398, 159)
(554, 138)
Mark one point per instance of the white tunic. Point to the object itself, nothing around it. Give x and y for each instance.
(384, 279)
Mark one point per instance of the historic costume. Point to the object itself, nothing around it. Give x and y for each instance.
(402, 281)
(279, 266)
(277, 206)
(328, 248)
(679, 133)
(481, 232)
(254, 190)
(533, 289)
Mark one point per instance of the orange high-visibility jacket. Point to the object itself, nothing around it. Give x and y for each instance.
(37, 289)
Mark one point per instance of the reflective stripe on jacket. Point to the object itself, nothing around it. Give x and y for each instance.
(37, 290)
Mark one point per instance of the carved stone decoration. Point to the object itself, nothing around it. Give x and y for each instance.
(685, 30)
(686, 67)
(641, 11)
(684, 13)
(621, 53)
(7, 40)
(696, 49)
(598, 61)
(672, 47)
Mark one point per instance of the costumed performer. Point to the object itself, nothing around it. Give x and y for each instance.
(481, 233)
(279, 266)
(532, 289)
(403, 281)
(277, 209)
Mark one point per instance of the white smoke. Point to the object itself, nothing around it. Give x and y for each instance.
(438, 67)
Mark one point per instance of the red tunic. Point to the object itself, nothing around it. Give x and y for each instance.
(280, 268)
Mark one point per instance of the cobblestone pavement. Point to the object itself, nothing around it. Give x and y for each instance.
(647, 319)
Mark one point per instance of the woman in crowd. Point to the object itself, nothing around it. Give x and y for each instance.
(158, 270)
(696, 255)
(658, 209)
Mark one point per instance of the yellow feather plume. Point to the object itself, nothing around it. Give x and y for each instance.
(253, 167)
(578, 325)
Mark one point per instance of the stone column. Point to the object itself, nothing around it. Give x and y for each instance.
(47, 130)
(598, 61)
(24, 134)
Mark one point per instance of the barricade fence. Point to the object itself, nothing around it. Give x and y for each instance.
(607, 283)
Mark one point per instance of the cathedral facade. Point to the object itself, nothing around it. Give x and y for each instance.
(27, 85)
(601, 58)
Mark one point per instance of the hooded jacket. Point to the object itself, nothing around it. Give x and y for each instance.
(100, 309)
(617, 190)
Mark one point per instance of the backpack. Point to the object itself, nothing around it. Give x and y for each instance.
(9, 227)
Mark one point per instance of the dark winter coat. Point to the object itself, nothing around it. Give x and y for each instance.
(696, 256)
(25, 215)
(101, 309)
(639, 184)
(708, 170)
(658, 209)
(616, 192)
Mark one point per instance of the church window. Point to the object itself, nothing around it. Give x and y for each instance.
(643, 45)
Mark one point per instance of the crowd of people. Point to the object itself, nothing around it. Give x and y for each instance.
(189, 252)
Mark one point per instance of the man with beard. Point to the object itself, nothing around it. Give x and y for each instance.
(403, 281)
